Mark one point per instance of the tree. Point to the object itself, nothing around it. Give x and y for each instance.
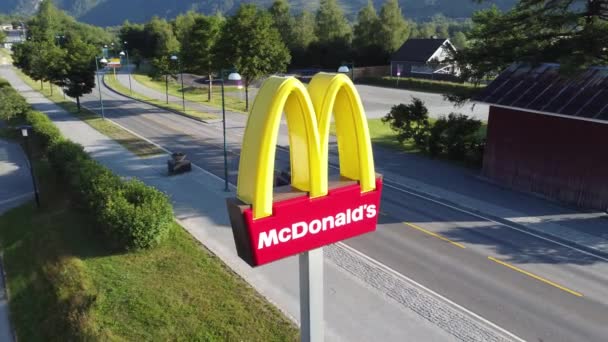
(304, 31)
(573, 33)
(283, 21)
(410, 121)
(198, 50)
(331, 24)
(367, 40)
(367, 27)
(459, 40)
(2, 36)
(161, 42)
(394, 29)
(79, 78)
(182, 25)
(251, 43)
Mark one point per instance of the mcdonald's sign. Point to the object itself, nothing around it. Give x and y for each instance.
(269, 224)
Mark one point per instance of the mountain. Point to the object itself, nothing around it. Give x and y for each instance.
(115, 12)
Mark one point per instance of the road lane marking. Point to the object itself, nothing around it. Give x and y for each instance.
(539, 278)
(440, 237)
(469, 212)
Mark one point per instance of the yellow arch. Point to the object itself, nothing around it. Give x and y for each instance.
(308, 114)
(335, 93)
(256, 166)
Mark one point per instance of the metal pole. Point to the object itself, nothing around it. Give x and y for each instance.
(29, 160)
(224, 130)
(103, 116)
(181, 72)
(167, 87)
(311, 296)
(129, 72)
(352, 70)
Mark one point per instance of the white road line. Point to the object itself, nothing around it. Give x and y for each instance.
(424, 288)
(16, 198)
(491, 220)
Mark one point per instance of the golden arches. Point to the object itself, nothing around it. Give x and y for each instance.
(308, 138)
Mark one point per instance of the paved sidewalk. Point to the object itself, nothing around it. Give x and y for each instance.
(355, 310)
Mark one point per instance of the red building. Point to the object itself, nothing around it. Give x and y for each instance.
(548, 133)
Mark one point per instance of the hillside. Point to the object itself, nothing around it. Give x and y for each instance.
(114, 12)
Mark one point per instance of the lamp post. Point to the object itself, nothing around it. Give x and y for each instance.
(233, 76)
(25, 135)
(345, 69)
(103, 61)
(181, 75)
(126, 53)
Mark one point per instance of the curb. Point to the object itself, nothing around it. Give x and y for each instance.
(207, 121)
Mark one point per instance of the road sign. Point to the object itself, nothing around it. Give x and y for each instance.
(270, 224)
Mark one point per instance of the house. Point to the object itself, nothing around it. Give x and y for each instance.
(547, 133)
(12, 37)
(424, 58)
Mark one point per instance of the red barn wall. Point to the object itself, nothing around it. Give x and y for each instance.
(564, 159)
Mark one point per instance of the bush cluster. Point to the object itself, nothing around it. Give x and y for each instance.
(456, 136)
(454, 89)
(12, 105)
(131, 214)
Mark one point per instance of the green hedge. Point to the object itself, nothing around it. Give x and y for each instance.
(131, 214)
(420, 84)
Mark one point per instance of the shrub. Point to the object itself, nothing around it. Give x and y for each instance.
(46, 133)
(410, 121)
(457, 137)
(137, 216)
(12, 105)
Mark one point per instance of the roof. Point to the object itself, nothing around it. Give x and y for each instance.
(418, 50)
(543, 89)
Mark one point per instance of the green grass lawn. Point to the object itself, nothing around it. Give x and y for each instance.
(129, 141)
(199, 95)
(383, 135)
(117, 86)
(5, 54)
(65, 284)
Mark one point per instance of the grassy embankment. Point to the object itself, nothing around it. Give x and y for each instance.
(65, 284)
(126, 139)
(233, 103)
(117, 86)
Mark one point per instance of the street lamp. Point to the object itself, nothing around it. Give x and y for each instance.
(181, 75)
(344, 69)
(126, 53)
(102, 61)
(25, 135)
(233, 76)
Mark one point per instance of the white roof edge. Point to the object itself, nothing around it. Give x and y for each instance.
(439, 49)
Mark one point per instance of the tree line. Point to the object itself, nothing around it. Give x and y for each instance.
(60, 50)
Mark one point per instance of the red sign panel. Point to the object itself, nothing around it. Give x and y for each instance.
(301, 224)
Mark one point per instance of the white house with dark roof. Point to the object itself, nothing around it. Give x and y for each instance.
(424, 58)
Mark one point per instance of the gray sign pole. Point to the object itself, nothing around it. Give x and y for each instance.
(311, 296)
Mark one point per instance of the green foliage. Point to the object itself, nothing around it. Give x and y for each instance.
(252, 44)
(331, 24)
(12, 105)
(573, 33)
(394, 29)
(410, 121)
(79, 76)
(183, 24)
(45, 132)
(283, 20)
(131, 214)
(457, 137)
(198, 49)
(137, 216)
(2, 36)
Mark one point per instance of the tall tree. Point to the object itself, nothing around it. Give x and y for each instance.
(394, 29)
(331, 24)
(2, 36)
(304, 31)
(162, 43)
(183, 23)
(367, 28)
(198, 49)
(252, 44)
(573, 33)
(283, 20)
(79, 76)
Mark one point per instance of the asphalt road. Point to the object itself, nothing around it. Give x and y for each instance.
(537, 289)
